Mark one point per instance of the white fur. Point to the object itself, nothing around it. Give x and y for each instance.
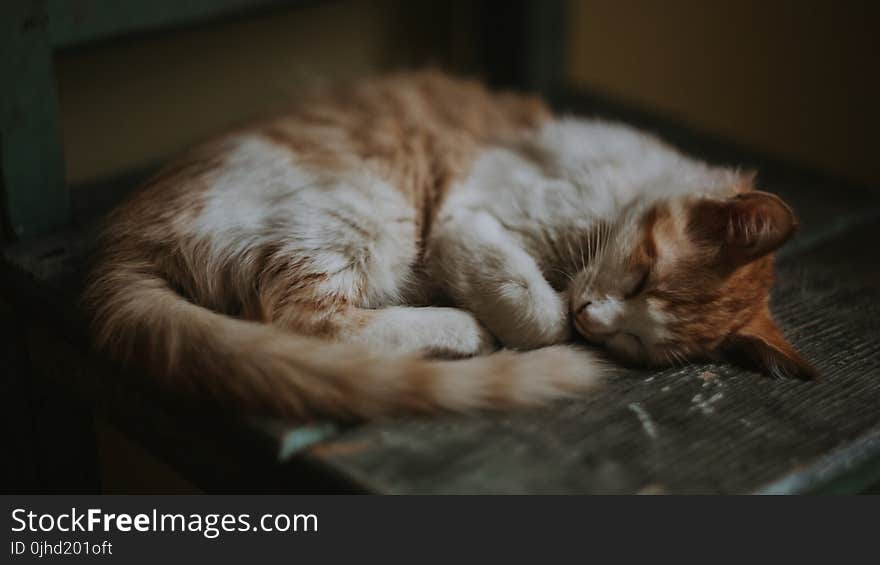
(355, 227)
(437, 331)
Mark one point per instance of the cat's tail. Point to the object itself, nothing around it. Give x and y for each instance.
(257, 367)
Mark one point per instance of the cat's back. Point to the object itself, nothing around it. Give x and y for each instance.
(397, 141)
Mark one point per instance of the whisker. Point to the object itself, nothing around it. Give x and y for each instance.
(568, 276)
(681, 358)
(571, 255)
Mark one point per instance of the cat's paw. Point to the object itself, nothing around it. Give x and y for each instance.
(536, 316)
(457, 333)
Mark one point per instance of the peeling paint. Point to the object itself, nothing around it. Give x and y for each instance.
(645, 419)
(705, 405)
(710, 378)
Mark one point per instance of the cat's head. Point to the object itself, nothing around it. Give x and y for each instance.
(689, 278)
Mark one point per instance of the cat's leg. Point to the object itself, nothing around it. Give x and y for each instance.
(445, 332)
(361, 303)
(484, 269)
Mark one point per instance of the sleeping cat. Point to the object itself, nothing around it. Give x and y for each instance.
(368, 251)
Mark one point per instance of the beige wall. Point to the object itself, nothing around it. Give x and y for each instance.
(793, 78)
(137, 100)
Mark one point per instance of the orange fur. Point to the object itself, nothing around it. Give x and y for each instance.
(717, 291)
(420, 129)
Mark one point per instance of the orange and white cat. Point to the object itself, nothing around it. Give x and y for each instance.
(369, 250)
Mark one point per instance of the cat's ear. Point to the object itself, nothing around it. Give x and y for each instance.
(760, 344)
(745, 180)
(746, 226)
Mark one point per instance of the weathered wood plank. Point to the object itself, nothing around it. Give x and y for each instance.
(63, 432)
(20, 451)
(854, 467)
(707, 428)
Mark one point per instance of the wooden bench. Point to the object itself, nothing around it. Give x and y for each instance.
(704, 428)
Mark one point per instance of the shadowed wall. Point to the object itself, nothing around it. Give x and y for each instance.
(135, 101)
(797, 79)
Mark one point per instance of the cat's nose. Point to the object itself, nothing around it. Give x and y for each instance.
(597, 319)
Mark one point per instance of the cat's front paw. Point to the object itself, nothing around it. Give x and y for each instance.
(458, 334)
(537, 318)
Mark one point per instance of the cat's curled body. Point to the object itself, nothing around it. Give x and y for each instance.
(320, 262)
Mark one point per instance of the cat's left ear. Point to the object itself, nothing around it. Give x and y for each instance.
(745, 181)
(746, 226)
(761, 345)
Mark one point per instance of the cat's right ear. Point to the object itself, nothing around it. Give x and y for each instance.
(745, 227)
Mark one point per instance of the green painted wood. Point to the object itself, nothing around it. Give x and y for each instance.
(854, 468)
(35, 200)
(74, 22)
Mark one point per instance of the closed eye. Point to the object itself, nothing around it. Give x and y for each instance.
(640, 286)
(637, 338)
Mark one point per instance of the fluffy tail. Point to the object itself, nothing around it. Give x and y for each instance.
(260, 368)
